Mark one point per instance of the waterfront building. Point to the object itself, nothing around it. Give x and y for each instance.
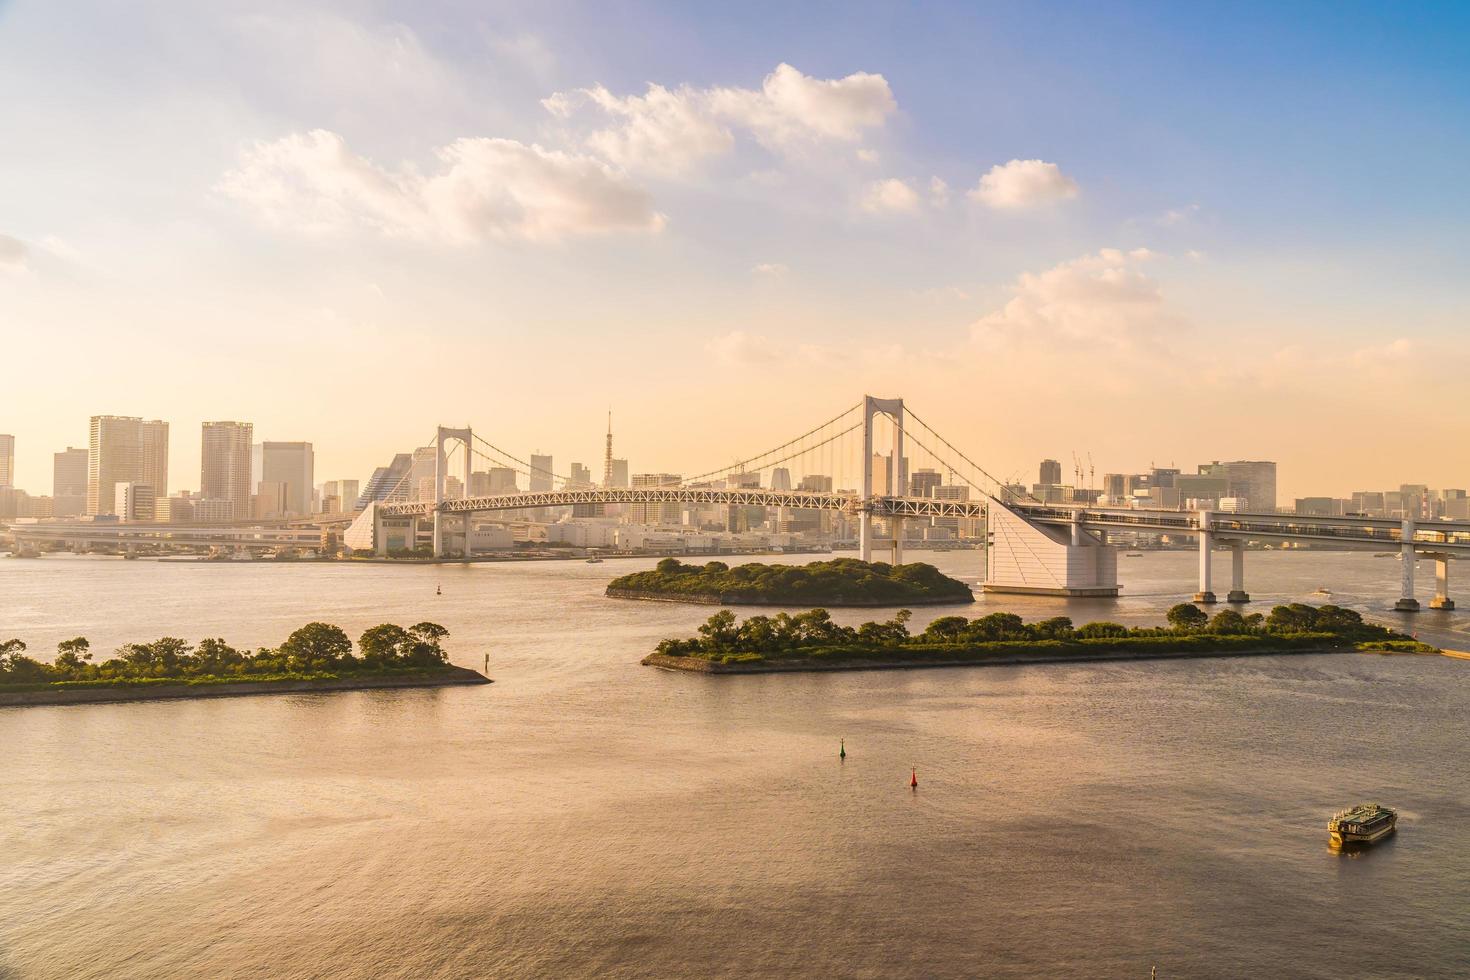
(224, 466)
(293, 465)
(386, 483)
(69, 482)
(7, 461)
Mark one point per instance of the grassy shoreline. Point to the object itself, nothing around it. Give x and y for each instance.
(875, 660)
(171, 688)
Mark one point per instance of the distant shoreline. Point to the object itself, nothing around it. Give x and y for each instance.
(448, 677)
(699, 665)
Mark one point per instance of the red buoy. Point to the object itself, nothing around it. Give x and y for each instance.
(914, 779)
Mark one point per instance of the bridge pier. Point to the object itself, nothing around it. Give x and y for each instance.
(896, 523)
(380, 538)
(1441, 598)
(1407, 602)
(1237, 573)
(1206, 593)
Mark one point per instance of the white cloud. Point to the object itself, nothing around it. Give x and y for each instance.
(771, 270)
(1098, 299)
(866, 155)
(1178, 216)
(741, 348)
(13, 253)
(891, 196)
(485, 189)
(670, 129)
(938, 192)
(1393, 352)
(1023, 184)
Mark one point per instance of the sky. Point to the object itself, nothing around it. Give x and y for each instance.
(1152, 233)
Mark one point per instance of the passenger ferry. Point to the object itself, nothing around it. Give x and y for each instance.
(1366, 823)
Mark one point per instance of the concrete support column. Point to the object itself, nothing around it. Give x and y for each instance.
(1237, 573)
(1206, 591)
(1441, 598)
(469, 530)
(1407, 602)
(865, 535)
(896, 523)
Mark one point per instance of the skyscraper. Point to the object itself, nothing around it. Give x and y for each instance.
(114, 455)
(153, 443)
(7, 461)
(619, 473)
(291, 464)
(224, 466)
(581, 477)
(1051, 473)
(541, 473)
(780, 478)
(924, 482)
(69, 482)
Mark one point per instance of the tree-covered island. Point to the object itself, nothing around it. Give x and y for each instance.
(318, 656)
(812, 641)
(840, 582)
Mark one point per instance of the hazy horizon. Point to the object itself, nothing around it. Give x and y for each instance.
(1150, 234)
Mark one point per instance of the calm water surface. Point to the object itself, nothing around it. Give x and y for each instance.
(588, 816)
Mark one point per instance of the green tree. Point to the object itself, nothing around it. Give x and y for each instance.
(945, 629)
(1055, 628)
(316, 646)
(73, 656)
(1104, 630)
(719, 631)
(1186, 616)
(1228, 621)
(383, 644)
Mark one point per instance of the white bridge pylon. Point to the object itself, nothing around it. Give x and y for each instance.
(893, 408)
(466, 438)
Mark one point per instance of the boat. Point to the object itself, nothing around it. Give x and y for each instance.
(594, 561)
(1133, 554)
(1366, 823)
(1325, 593)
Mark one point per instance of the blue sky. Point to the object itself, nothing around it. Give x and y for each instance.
(1210, 231)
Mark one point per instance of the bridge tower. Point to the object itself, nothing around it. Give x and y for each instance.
(893, 408)
(441, 464)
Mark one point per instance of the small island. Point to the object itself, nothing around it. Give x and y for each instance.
(316, 657)
(840, 582)
(811, 641)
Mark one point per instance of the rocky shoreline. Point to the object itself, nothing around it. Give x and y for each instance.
(449, 677)
(697, 665)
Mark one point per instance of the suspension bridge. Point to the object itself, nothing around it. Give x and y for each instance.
(1030, 547)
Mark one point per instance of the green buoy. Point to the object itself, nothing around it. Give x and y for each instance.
(842, 748)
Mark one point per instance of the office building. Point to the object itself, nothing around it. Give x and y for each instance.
(387, 483)
(114, 455)
(581, 477)
(7, 461)
(1251, 482)
(292, 464)
(134, 501)
(348, 492)
(924, 482)
(1050, 474)
(69, 482)
(815, 483)
(619, 473)
(502, 479)
(541, 473)
(780, 478)
(224, 467)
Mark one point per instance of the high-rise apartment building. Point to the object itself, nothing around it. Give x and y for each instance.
(541, 473)
(114, 455)
(348, 493)
(292, 464)
(780, 478)
(69, 482)
(815, 483)
(1050, 474)
(1253, 481)
(7, 461)
(581, 476)
(134, 501)
(153, 447)
(224, 467)
(665, 512)
(619, 473)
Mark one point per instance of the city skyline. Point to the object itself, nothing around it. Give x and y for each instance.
(799, 215)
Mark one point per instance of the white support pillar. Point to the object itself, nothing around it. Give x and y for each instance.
(469, 530)
(1441, 598)
(893, 408)
(1237, 573)
(1206, 593)
(380, 537)
(1407, 602)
